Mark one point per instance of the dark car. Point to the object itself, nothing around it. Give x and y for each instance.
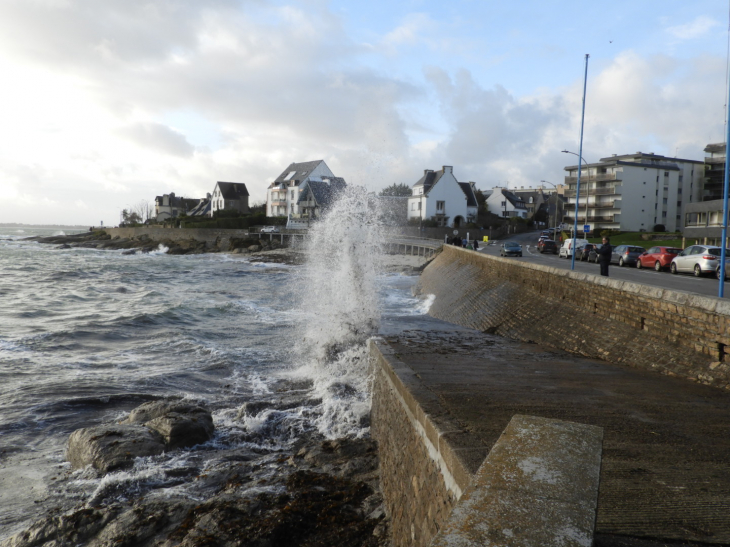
(510, 248)
(547, 246)
(658, 258)
(626, 255)
(585, 253)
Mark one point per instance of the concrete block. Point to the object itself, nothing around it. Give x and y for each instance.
(537, 487)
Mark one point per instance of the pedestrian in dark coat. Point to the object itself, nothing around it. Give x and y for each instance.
(476, 245)
(604, 256)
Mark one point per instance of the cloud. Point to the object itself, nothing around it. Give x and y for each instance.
(694, 29)
(157, 137)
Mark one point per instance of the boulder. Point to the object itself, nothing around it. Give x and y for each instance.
(181, 424)
(110, 447)
(254, 248)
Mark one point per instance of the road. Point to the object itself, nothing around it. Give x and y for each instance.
(707, 286)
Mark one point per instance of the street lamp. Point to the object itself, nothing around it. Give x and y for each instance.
(576, 197)
(555, 230)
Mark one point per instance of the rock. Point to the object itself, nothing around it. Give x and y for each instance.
(110, 447)
(254, 248)
(129, 252)
(180, 424)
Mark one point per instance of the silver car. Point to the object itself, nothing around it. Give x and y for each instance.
(700, 260)
(510, 248)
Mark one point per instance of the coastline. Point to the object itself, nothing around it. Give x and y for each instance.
(340, 474)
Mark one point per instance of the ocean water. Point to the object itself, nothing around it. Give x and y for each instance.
(87, 335)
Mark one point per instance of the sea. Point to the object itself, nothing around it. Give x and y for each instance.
(87, 335)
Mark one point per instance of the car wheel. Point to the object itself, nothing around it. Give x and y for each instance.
(698, 271)
(717, 273)
(519, 254)
(638, 264)
(673, 268)
(657, 266)
(621, 262)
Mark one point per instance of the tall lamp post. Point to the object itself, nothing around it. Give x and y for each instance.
(586, 164)
(555, 229)
(580, 155)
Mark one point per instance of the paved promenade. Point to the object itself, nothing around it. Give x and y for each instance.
(665, 476)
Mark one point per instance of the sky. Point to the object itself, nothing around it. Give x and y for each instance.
(105, 104)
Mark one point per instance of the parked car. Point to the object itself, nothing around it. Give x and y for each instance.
(270, 230)
(566, 250)
(626, 255)
(585, 252)
(699, 260)
(510, 248)
(658, 258)
(593, 254)
(547, 246)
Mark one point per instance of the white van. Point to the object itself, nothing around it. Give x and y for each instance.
(569, 245)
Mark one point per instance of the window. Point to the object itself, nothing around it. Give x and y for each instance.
(664, 214)
(413, 206)
(440, 206)
(504, 204)
(679, 204)
(664, 201)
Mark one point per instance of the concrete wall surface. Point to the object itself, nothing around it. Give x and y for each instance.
(537, 487)
(672, 332)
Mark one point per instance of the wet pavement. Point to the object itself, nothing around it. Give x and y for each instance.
(665, 475)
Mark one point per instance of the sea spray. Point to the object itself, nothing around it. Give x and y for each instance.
(340, 298)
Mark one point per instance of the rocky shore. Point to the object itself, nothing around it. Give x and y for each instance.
(99, 239)
(317, 493)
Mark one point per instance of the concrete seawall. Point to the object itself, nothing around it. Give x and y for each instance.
(436, 408)
(672, 332)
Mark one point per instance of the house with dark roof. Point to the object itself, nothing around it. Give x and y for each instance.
(316, 196)
(171, 206)
(229, 195)
(506, 204)
(438, 196)
(282, 195)
(202, 209)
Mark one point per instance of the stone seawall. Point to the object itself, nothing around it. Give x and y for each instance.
(424, 464)
(672, 332)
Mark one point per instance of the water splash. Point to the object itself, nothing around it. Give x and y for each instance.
(341, 299)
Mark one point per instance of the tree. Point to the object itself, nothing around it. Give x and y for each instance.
(131, 217)
(396, 190)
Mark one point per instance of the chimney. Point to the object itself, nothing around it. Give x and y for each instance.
(427, 171)
(448, 169)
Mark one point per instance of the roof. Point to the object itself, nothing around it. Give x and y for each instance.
(233, 190)
(428, 179)
(297, 171)
(201, 209)
(513, 199)
(471, 199)
(324, 193)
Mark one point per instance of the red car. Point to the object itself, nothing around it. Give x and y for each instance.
(658, 258)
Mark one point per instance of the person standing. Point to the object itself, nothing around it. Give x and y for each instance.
(604, 256)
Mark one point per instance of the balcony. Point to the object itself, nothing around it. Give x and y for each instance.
(603, 177)
(602, 191)
(613, 204)
(278, 202)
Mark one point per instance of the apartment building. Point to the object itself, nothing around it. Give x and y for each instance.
(703, 220)
(633, 192)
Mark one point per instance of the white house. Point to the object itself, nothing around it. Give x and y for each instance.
(506, 204)
(633, 192)
(282, 195)
(229, 195)
(439, 196)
